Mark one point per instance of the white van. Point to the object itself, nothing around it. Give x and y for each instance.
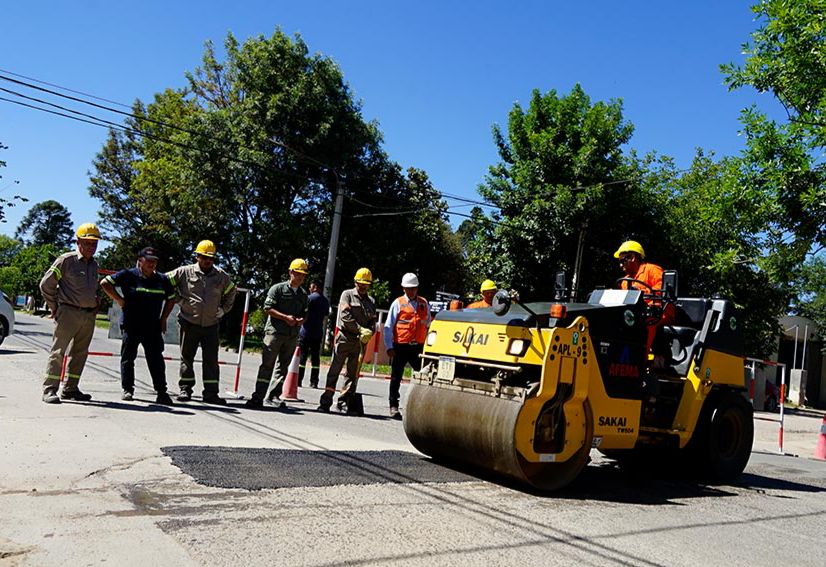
(6, 317)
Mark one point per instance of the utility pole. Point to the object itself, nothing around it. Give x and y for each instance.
(578, 262)
(330, 272)
(331, 253)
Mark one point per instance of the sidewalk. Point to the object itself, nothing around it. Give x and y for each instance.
(801, 428)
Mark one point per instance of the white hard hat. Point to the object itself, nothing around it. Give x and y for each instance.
(410, 280)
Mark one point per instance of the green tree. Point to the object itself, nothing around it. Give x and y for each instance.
(48, 222)
(11, 280)
(250, 155)
(715, 229)
(561, 184)
(6, 202)
(9, 247)
(33, 261)
(783, 164)
(809, 288)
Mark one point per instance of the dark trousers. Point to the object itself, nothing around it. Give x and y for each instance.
(193, 336)
(310, 348)
(152, 342)
(403, 354)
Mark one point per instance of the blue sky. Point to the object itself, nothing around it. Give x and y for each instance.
(435, 75)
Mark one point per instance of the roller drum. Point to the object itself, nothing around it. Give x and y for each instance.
(479, 430)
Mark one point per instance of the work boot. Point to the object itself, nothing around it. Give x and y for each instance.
(323, 409)
(341, 405)
(213, 398)
(164, 399)
(184, 396)
(74, 394)
(254, 403)
(314, 385)
(51, 398)
(395, 413)
(126, 396)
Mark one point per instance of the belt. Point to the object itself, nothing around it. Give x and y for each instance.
(87, 309)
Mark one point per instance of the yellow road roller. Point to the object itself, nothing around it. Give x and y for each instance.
(527, 390)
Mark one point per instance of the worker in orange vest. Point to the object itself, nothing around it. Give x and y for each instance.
(488, 289)
(404, 334)
(649, 278)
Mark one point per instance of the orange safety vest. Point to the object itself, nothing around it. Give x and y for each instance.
(411, 326)
(648, 273)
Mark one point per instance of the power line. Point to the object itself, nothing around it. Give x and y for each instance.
(64, 88)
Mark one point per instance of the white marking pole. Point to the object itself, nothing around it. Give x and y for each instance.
(782, 404)
(244, 319)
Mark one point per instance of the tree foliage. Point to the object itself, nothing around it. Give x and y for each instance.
(783, 163)
(6, 202)
(787, 58)
(48, 222)
(32, 263)
(562, 176)
(250, 155)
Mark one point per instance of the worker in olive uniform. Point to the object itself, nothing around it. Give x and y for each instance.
(404, 334)
(205, 294)
(146, 301)
(356, 322)
(285, 306)
(70, 290)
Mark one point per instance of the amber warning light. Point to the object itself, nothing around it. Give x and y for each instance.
(558, 310)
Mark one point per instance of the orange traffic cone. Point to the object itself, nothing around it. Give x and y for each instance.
(290, 392)
(820, 450)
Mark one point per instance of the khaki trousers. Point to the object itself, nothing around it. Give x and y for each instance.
(75, 326)
(345, 350)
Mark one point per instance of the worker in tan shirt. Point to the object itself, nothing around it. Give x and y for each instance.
(70, 290)
(205, 294)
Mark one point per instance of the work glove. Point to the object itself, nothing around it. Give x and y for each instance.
(365, 335)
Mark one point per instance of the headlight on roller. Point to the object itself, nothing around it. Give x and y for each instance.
(431, 338)
(518, 347)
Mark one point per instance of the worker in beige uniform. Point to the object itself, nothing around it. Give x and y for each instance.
(356, 323)
(70, 290)
(205, 294)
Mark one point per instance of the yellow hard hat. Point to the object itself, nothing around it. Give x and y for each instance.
(88, 231)
(630, 246)
(206, 248)
(364, 276)
(488, 285)
(299, 265)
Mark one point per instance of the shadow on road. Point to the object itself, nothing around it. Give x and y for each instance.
(149, 407)
(12, 351)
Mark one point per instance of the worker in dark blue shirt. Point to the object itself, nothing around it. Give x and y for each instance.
(309, 337)
(146, 298)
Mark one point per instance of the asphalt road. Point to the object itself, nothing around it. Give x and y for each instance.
(135, 483)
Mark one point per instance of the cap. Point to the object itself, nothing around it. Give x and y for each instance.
(149, 253)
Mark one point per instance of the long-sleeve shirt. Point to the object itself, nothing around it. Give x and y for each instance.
(288, 301)
(204, 296)
(317, 309)
(393, 316)
(355, 311)
(71, 280)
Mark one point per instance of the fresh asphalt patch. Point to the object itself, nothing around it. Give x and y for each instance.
(256, 469)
